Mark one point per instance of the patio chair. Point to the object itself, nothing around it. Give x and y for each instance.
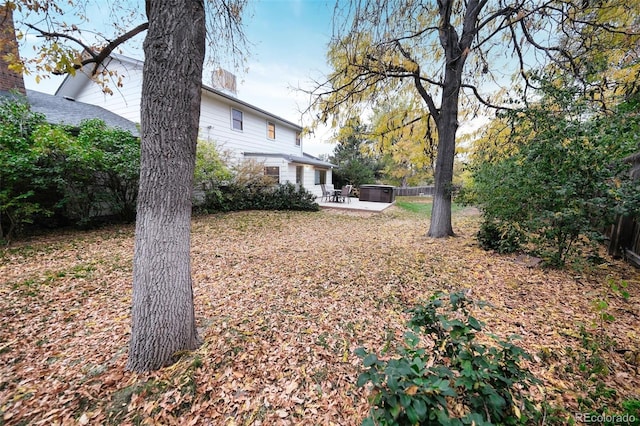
(345, 193)
(326, 195)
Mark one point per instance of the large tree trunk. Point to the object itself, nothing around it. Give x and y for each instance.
(163, 320)
(447, 122)
(456, 50)
(440, 225)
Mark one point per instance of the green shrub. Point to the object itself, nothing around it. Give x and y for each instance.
(18, 168)
(115, 169)
(445, 377)
(555, 172)
(500, 237)
(246, 187)
(91, 172)
(236, 197)
(57, 175)
(211, 173)
(288, 197)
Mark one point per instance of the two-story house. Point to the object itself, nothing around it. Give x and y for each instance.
(238, 128)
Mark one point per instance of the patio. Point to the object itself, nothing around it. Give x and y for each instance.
(355, 204)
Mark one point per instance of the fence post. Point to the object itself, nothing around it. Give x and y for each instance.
(620, 236)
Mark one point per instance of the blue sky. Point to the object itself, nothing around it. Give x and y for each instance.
(288, 40)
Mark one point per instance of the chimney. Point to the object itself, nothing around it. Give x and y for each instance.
(9, 79)
(224, 80)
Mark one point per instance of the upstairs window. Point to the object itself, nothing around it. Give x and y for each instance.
(271, 130)
(236, 119)
(298, 138)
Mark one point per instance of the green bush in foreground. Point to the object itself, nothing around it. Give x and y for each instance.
(447, 378)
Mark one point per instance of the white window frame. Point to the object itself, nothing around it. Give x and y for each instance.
(233, 120)
(271, 124)
(277, 180)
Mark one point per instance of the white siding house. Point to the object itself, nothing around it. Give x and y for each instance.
(236, 127)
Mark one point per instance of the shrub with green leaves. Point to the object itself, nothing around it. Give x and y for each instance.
(560, 180)
(502, 237)
(54, 175)
(210, 176)
(236, 197)
(443, 376)
(246, 187)
(18, 166)
(114, 169)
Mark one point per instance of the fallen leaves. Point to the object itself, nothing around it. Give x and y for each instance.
(282, 299)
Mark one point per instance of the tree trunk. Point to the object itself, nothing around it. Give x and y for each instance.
(163, 319)
(440, 225)
(456, 50)
(447, 123)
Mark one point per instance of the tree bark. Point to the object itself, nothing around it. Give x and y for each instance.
(447, 122)
(163, 318)
(440, 225)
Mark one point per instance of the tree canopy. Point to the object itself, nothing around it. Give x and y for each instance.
(407, 137)
(463, 56)
(74, 34)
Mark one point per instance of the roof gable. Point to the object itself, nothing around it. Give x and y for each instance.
(71, 85)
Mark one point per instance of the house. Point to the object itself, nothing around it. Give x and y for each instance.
(241, 130)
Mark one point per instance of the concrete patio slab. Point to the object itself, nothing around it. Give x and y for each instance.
(355, 205)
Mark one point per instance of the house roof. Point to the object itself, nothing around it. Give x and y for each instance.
(73, 82)
(59, 110)
(305, 159)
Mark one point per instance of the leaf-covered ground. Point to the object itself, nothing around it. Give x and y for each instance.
(283, 299)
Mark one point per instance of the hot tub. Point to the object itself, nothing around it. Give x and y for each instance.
(377, 193)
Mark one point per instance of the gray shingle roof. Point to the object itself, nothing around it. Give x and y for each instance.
(59, 110)
(306, 159)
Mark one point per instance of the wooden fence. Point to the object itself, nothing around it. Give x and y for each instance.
(624, 240)
(414, 191)
(624, 236)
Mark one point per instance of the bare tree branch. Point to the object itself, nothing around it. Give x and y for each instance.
(109, 48)
(57, 35)
(93, 58)
(482, 100)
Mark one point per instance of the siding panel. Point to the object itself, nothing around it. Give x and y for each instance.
(215, 120)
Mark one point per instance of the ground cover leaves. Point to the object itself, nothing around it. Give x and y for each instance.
(282, 299)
